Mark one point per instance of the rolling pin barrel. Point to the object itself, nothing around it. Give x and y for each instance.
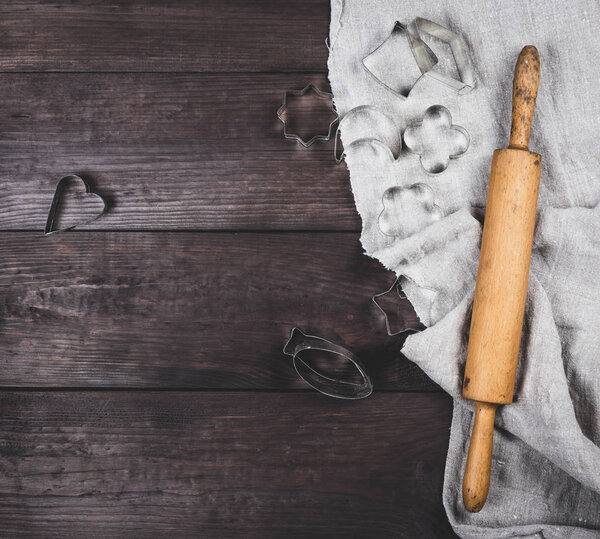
(502, 277)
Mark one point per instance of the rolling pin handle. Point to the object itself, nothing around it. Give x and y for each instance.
(476, 481)
(525, 88)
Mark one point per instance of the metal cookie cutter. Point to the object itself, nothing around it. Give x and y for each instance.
(300, 345)
(397, 76)
(57, 200)
(393, 75)
(367, 122)
(459, 50)
(396, 291)
(436, 139)
(281, 113)
(408, 210)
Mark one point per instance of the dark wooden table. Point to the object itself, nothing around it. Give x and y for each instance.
(144, 392)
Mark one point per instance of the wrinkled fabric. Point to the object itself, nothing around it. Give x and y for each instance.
(546, 458)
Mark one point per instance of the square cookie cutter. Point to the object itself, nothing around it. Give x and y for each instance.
(378, 61)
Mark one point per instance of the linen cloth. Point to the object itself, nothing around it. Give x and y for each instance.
(546, 457)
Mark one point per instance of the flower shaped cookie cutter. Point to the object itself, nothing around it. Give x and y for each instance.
(436, 139)
(407, 210)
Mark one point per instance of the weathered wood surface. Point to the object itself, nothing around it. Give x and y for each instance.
(173, 151)
(201, 310)
(198, 464)
(154, 35)
(170, 108)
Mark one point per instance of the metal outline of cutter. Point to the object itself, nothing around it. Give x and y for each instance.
(299, 93)
(337, 140)
(424, 194)
(300, 341)
(423, 55)
(426, 59)
(57, 198)
(458, 48)
(435, 113)
(398, 288)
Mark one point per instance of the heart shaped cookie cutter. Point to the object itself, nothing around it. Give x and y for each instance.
(57, 199)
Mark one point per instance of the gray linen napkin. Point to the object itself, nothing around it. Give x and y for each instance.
(546, 465)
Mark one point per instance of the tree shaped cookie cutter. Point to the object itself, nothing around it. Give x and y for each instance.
(281, 114)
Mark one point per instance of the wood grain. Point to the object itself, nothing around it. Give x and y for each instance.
(188, 464)
(153, 35)
(502, 277)
(169, 108)
(170, 151)
(525, 88)
(201, 310)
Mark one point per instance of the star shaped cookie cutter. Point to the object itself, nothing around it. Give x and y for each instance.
(281, 113)
(396, 290)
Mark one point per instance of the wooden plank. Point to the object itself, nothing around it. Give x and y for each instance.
(153, 35)
(200, 310)
(171, 151)
(189, 464)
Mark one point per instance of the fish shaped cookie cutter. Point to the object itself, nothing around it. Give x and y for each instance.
(299, 346)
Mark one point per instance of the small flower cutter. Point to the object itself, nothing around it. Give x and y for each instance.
(299, 346)
(436, 139)
(61, 187)
(308, 89)
(380, 62)
(408, 210)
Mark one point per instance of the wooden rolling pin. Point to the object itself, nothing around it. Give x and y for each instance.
(502, 276)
